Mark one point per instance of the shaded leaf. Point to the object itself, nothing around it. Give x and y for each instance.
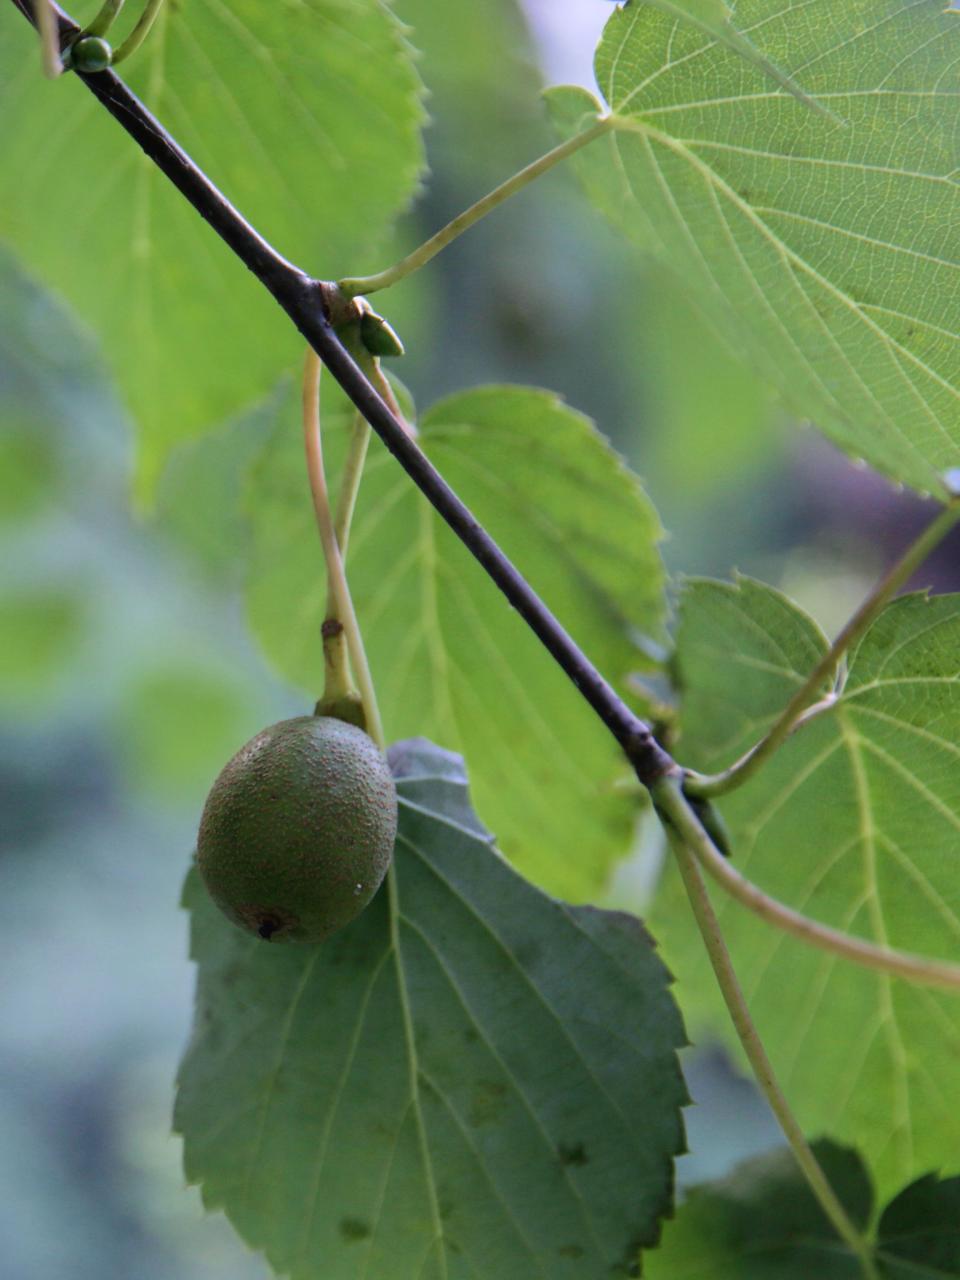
(919, 1232)
(825, 250)
(762, 1222)
(470, 1080)
(307, 118)
(855, 823)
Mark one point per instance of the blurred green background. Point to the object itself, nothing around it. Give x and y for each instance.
(127, 676)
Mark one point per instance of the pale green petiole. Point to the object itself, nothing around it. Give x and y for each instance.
(350, 480)
(338, 588)
(920, 970)
(104, 19)
(799, 708)
(140, 32)
(464, 221)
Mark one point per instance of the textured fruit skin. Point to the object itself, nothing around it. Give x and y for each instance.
(298, 829)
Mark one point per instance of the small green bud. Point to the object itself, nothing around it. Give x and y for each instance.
(378, 336)
(90, 54)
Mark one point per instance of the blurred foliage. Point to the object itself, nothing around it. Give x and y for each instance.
(824, 253)
(27, 471)
(333, 108)
(41, 631)
(178, 723)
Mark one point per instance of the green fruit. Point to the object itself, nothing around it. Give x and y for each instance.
(297, 831)
(90, 54)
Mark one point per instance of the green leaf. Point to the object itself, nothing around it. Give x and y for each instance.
(200, 493)
(763, 1223)
(306, 115)
(855, 823)
(743, 650)
(449, 659)
(484, 88)
(919, 1232)
(470, 1080)
(826, 251)
(713, 423)
(714, 18)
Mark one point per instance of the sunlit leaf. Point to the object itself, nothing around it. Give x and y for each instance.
(824, 248)
(307, 116)
(854, 822)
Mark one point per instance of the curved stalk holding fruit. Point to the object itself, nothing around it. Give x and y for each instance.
(344, 615)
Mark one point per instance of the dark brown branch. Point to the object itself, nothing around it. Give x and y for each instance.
(306, 302)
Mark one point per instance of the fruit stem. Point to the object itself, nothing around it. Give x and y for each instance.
(139, 33)
(338, 587)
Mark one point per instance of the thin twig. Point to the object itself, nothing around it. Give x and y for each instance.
(825, 671)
